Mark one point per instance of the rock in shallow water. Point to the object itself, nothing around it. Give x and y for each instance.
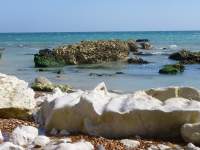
(186, 57)
(99, 112)
(17, 99)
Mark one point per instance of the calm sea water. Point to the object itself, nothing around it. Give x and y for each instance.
(17, 59)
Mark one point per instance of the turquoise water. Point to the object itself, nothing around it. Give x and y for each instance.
(17, 59)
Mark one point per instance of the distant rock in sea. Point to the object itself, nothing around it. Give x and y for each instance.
(186, 57)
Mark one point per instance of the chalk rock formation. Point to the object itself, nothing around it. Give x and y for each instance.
(99, 112)
(24, 135)
(191, 133)
(16, 99)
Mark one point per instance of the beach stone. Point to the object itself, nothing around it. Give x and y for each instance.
(85, 52)
(10, 146)
(41, 140)
(75, 146)
(191, 133)
(102, 113)
(65, 140)
(64, 133)
(191, 146)
(186, 57)
(100, 147)
(24, 135)
(163, 147)
(130, 144)
(17, 99)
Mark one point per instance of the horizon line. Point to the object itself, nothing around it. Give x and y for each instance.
(99, 31)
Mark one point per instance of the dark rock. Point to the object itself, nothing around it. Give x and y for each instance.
(142, 40)
(101, 75)
(136, 60)
(172, 69)
(186, 57)
(119, 73)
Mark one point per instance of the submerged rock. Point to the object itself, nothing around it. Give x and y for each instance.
(137, 60)
(17, 99)
(86, 52)
(99, 112)
(43, 84)
(172, 69)
(186, 57)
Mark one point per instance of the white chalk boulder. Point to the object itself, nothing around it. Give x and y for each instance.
(82, 145)
(16, 98)
(24, 135)
(41, 140)
(10, 146)
(191, 133)
(99, 112)
(130, 144)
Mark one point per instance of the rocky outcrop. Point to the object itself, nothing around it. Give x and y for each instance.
(16, 98)
(99, 112)
(186, 57)
(172, 69)
(85, 52)
(136, 60)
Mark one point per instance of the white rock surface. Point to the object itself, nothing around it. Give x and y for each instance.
(17, 99)
(99, 112)
(130, 144)
(71, 146)
(191, 146)
(10, 146)
(24, 135)
(41, 140)
(1, 137)
(191, 133)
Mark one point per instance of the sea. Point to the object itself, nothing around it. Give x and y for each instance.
(19, 49)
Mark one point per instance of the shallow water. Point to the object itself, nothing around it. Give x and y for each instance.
(17, 59)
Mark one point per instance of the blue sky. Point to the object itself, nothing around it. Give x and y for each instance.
(98, 15)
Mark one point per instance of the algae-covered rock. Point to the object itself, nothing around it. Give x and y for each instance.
(186, 57)
(172, 69)
(44, 85)
(85, 52)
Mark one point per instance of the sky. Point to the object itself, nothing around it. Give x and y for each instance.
(98, 15)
